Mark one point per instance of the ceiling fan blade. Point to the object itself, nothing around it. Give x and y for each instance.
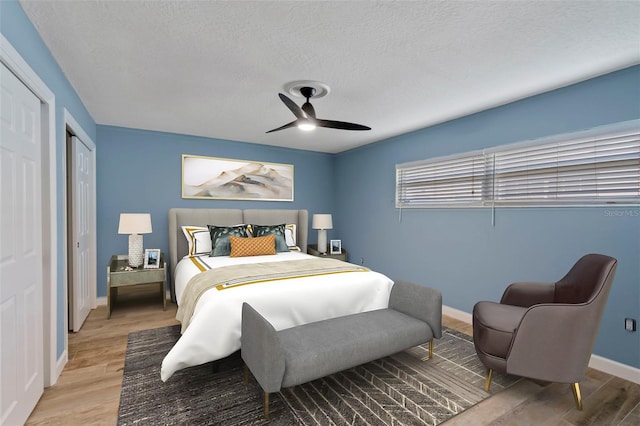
(309, 110)
(342, 125)
(286, 126)
(295, 109)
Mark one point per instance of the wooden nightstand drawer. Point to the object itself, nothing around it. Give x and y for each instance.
(137, 276)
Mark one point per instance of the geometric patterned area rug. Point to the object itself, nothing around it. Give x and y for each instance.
(402, 389)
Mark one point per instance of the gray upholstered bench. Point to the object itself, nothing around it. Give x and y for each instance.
(307, 352)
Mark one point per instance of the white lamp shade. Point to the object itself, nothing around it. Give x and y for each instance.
(134, 223)
(322, 221)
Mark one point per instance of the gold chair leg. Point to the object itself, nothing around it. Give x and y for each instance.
(487, 382)
(430, 349)
(266, 405)
(575, 387)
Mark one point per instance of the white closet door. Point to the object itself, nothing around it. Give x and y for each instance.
(21, 330)
(82, 169)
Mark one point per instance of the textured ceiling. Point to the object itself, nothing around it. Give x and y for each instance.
(214, 68)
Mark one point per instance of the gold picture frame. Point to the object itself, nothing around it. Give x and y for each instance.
(228, 179)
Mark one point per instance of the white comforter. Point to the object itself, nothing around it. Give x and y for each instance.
(214, 331)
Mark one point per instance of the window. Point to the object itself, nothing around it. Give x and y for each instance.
(450, 181)
(600, 166)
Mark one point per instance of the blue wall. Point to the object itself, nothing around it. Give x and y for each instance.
(456, 250)
(18, 30)
(459, 250)
(140, 171)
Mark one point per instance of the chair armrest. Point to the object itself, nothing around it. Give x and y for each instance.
(261, 350)
(528, 294)
(554, 342)
(418, 301)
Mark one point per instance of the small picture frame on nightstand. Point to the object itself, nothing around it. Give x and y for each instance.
(152, 258)
(336, 247)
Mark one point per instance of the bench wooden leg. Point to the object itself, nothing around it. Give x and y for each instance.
(265, 397)
(266, 405)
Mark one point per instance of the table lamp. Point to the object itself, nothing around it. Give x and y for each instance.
(322, 222)
(135, 224)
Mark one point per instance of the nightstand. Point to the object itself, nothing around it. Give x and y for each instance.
(312, 249)
(118, 276)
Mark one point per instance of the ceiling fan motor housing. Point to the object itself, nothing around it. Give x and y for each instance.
(307, 92)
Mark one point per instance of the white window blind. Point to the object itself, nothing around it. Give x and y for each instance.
(601, 166)
(444, 182)
(582, 171)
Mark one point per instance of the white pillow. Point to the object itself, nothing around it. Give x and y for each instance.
(290, 237)
(199, 240)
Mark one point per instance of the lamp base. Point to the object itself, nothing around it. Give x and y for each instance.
(136, 254)
(322, 241)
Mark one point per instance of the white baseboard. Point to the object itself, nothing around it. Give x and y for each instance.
(457, 314)
(615, 368)
(60, 364)
(596, 362)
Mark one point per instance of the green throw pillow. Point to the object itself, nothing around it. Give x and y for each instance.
(220, 245)
(277, 230)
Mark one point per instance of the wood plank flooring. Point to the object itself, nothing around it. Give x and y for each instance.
(88, 390)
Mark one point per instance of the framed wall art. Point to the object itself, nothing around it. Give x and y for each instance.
(228, 179)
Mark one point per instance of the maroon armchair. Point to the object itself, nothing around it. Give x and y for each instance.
(546, 331)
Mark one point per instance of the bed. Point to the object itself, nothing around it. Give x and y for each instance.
(213, 326)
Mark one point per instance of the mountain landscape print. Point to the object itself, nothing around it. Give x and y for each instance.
(209, 177)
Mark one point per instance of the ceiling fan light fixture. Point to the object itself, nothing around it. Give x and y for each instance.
(306, 125)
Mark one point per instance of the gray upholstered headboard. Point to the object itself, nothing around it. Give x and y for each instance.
(179, 217)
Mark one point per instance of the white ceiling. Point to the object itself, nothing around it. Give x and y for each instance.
(214, 68)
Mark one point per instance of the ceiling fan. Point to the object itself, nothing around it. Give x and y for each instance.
(306, 116)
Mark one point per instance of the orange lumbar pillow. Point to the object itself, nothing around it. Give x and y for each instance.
(256, 246)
